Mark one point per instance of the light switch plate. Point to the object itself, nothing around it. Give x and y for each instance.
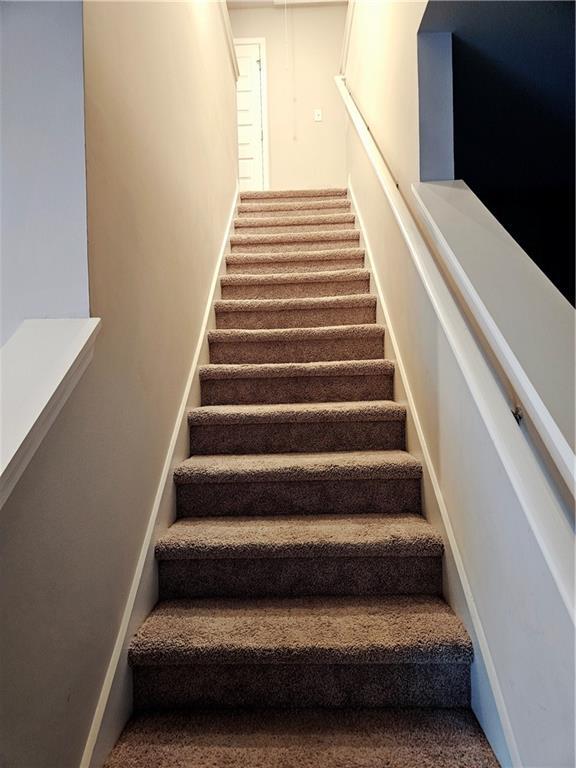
(317, 115)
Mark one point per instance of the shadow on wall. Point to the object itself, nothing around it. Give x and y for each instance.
(513, 97)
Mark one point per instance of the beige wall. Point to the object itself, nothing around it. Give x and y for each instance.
(161, 154)
(303, 51)
(382, 75)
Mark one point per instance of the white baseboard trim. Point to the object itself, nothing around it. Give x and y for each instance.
(455, 552)
(165, 478)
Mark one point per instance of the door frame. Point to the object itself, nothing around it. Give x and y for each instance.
(261, 41)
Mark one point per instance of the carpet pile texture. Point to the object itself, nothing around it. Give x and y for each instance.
(300, 619)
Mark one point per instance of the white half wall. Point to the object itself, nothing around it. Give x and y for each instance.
(43, 263)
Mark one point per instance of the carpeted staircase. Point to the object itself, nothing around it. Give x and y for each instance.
(301, 619)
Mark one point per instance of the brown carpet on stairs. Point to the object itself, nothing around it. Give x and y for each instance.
(296, 261)
(300, 619)
(277, 208)
(296, 284)
(297, 345)
(296, 313)
(315, 240)
(287, 224)
(294, 194)
(449, 738)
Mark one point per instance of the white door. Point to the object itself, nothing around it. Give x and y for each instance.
(251, 115)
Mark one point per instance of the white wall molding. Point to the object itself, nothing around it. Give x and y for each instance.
(40, 366)
(146, 551)
(429, 468)
(229, 38)
(347, 36)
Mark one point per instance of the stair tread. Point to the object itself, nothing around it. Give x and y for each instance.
(300, 536)
(296, 237)
(330, 204)
(314, 630)
(290, 370)
(234, 335)
(294, 221)
(363, 410)
(278, 193)
(299, 467)
(311, 302)
(271, 278)
(403, 738)
(327, 255)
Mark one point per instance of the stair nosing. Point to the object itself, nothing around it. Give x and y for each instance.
(289, 304)
(343, 254)
(372, 367)
(330, 204)
(338, 192)
(294, 278)
(248, 335)
(298, 467)
(300, 413)
(296, 237)
(388, 535)
(359, 630)
(303, 220)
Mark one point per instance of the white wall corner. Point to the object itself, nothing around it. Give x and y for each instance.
(435, 106)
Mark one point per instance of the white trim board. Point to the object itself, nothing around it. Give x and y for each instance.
(429, 468)
(261, 41)
(40, 365)
(225, 13)
(147, 548)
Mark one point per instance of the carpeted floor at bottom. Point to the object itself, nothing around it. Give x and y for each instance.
(448, 738)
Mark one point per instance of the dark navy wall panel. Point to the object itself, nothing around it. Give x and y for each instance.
(513, 90)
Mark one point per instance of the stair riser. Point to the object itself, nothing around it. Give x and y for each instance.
(296, 351)
(305, 389)
(275, 267)
(292, 437)
(298, 497)
(296, 290)
(296, 318)
(305, 245)
(290, 210)
(296, 577)
(297, 685)
(291, 229)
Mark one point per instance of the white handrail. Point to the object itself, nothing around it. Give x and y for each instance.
(559, 451)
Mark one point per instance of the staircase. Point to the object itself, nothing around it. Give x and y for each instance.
(301, 619)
